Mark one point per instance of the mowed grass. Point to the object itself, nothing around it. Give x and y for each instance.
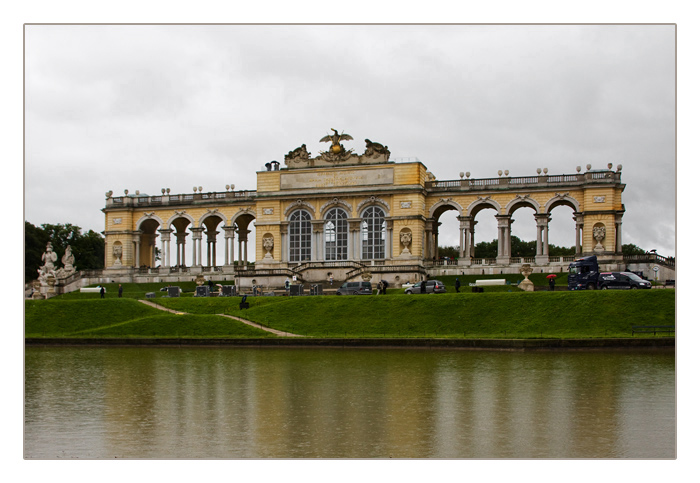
(514, 314)
(124, 318)
(487, 315)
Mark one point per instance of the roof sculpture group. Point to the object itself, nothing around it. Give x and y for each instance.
(375, 153)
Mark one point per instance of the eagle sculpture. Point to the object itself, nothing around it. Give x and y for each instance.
(335, 140)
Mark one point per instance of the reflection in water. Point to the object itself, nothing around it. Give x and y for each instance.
(343, 403)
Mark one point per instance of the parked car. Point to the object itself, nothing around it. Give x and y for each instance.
(621, 281)
(355, 288)
(431, 286)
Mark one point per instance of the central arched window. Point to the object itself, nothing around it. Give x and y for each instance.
(335, 235)
(300, 236)
(373, 233)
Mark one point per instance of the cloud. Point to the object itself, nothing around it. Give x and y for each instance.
(149, 107)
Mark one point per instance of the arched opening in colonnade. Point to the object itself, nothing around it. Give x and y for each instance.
(445, 230)
(562, 227)
(145, 249)
(484, 228)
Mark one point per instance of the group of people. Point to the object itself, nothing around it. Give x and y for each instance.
(381, 287)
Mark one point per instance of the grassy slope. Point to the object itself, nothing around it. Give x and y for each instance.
(124, 318)
(519, 315)
(489, 315)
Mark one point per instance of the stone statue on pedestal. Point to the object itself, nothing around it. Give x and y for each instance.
(526, 284)
(48, 268)
(599, 236)
(268, 245)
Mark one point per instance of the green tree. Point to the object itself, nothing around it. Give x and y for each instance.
(486, 249)
(35, 240)
(557, 251)
(631, 249)
(449, 252)
(88, 249)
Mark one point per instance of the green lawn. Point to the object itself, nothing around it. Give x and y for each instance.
(123, 318)
(487, 315)
(492, 314)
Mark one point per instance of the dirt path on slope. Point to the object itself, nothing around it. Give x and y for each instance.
(247, 322)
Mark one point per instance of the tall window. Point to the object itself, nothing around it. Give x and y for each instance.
(373, 233)
(336, 234)
(300, 236)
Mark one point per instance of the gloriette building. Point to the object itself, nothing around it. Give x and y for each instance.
(352, 216)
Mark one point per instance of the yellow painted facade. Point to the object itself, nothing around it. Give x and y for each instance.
(406, 195)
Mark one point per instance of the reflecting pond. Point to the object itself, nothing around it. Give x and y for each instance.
(347, 403)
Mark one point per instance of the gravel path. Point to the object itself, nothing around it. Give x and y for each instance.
(247, 322)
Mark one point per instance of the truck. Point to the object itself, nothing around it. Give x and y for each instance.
(583, 273)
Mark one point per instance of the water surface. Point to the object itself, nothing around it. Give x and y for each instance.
(347, 403)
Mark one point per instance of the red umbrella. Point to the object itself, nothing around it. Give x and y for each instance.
(551, 275)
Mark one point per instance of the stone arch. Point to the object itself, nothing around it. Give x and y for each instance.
(373, 201)
(212, 214)
(560, 199)
(179, 215)
(149, 217)
(444, 205)
(335, 203)
(522, 201)
(246, 214)
(300, 204)
(482, 203)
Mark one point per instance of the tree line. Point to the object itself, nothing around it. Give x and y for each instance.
(87, 248)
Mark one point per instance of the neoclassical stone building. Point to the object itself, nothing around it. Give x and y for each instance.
(352, 216)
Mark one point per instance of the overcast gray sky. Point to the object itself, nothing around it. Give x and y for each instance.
(151, 107)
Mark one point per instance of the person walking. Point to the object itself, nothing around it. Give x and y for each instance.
(102, 292)
(551, 284)
(379, 287)
(121, 289)
(457, 285)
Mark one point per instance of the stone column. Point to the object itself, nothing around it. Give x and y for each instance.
(542, 256)
(429, 239)
(388, 252)
(211, 247)
(354, 229)
(228, 254)
(503, 257)
(137, 249)
(472, 245)
(181, 239)
(317, 245)
(243, 237)
(284, 241)
(197, 247)
(436, 247)
(465, 230)
(165, 244)
(578, 219)
(618, 234)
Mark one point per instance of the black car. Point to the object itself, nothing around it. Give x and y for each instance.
(621, 281)
(355, 288)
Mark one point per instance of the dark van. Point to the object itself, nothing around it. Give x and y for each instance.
(621, 281)
(355, 288)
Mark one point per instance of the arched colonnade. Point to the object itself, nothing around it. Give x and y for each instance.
(176, 230)
(504, 219)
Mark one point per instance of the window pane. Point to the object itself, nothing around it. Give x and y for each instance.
(300, 236)
(373, 233)
(336, 235)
